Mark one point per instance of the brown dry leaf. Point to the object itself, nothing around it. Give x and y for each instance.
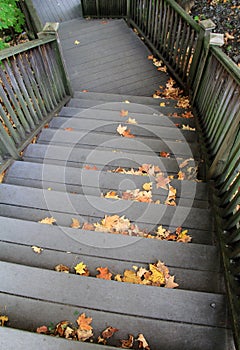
(34, 140)
(111, 194)
(37, 250)
(171, 196)
(84, 322)
(48, 221)
(61, 327)
(143, 344)
(121, 129)
(108, 332)
(163, 69)
(62, 268)
(124, 113)
(162, 181)
(184, 237)
(187, 115)
(69, 333)
(88, 227)
(181, 175)
(3, 319)
(118, 278)
(164, 154)
(128, 344)
(131, 121)
(68, 129)
(84, 335)
(227, 37)
(42, 330)
(157, 276)
(170, 283)
(187, 127)
(130, 276)
(75, 223)
(183, 102)
(127, 133)
(150, 57)
(185, 162)
(104, 273)
(89, 167)
(2, 176)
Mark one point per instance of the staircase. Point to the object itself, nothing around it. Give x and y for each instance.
(64, 175)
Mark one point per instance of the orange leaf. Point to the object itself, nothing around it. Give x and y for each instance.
(104, 273)
(88, 227)
(89, 167)
(75, 223)
(42, 330)
(127, 133)
(164, 154)
(123, 113)
(68, 129)
(84, 322)
(108, 332)
(150, 57)
(84, 90)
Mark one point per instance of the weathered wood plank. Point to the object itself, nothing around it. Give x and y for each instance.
(154, 214)
(182, 335)
(198, 257)
(115, 297)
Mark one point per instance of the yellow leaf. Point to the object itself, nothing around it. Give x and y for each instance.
(48, 221)
(147, 186)
(135, 268)
(157, 276)
(126, 101)
(75, 223)
(162, 104)
(3, 319)
(80, 268)
(121, 129)
(76, 42)
(131, 121)
(187, 127)
(62, 268)
(111, 194)
(37, 250)
(49, 189)
(131, 277)
(118, 278)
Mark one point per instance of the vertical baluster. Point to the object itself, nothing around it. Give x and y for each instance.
(8, 143)
(173, 37)
(156, 23)
(167, 29)
(191, 47)
(184, 50)
(6, 119)
(176, 51)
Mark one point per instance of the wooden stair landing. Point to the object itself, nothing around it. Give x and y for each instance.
(52, 181)
(108, 57)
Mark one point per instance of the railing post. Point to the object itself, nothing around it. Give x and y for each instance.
(128, 12)
(52, 28)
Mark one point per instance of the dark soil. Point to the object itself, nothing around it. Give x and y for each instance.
(226, 15)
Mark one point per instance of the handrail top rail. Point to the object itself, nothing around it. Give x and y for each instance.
(228, 64)
(14, 50)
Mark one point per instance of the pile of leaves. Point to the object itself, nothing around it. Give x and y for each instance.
(83, 331)
(156, 275)
(3, 320)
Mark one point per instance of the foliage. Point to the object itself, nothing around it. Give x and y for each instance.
(11, 21)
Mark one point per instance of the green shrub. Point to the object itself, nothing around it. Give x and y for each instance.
(11, 21)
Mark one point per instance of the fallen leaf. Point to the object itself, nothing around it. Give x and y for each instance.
(130, 276)
(61, 327)
(84, 322)
(150, 57)
(104, 273)
(42, 330)
(181, 175)
(89, 167)
(187, 127)
(128, 344)
(108, 332)
(123, 113)
(157, 276)
(75, 223)
(126, 101)
(170, 283)
(121, 129)
(131, 121)
(84, 335)
(184, 237)
(185, 163)
(37, 250)
(147, 186)
(84, 90)
(81, 269)
(162, 104)
(118, 278)
(88, 227)
(111, 194)
(62, 268)
(69, 333)
(68, 129)
(143, 344)
(128, 134)
(3, 319)
(162, 181)
(76, 42)
(162, 69)
(104, 22)
(2, 176)
(48, 221)
(164, 154)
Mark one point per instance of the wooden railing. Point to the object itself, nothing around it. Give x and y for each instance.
(213, 82)
(33, 87)
(103, 8)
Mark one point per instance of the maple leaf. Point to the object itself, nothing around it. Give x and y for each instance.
(157, 276)
(48, 221)
(118, 278)
(121, 129)
(130, 276)
(69, 333)
(3, 319)
(164, 154)
(184, 237)
(128, 344)
(62, 268)
(187, 115)
(124, 113)
(162, 181)
(104, 273)
(42, 330)
(147, 186)
(84, 322)
(76, 42)
(75, 223)
(88, 227)
(128, 134)
(81, 268)
(61, 327)
(170, 283)
(37, 250)
(143, 344)
(163, 69)
(84, 335)
(183, 102)
(131, 121)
